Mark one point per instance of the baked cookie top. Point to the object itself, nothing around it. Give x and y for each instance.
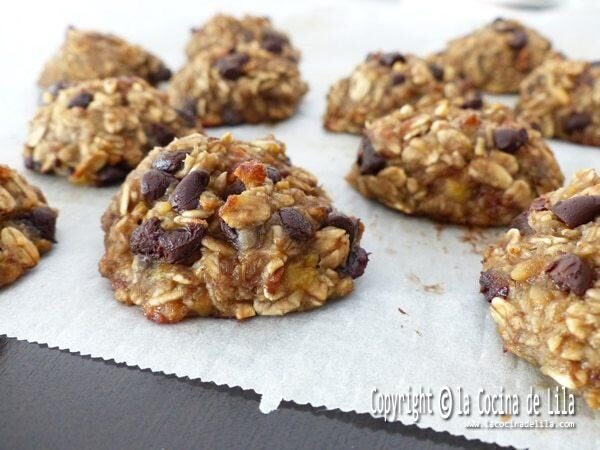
(498, 56)
(542, 281)
(385, 82)
(462, 165)
(27, 225)
(87, 55)
(96, 131)
(229, 34)
(562, 99)
(219, 227)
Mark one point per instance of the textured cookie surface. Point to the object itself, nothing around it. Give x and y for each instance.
(541, 280)
(238, 71)
(385, 82)
(218, 227)
(461, 165)
(95, 132)
(562, 99)
(88, 55)
(497, 57)
(27, 225)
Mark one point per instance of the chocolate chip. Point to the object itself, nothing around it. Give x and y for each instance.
(348, 224)
(154, 184)
(31, 164)
(181, 246)
(231, 67)
(356, 263)
(473, 101)
(158, 135)
(273, 174)
(188, 118)
(189, 109)
(493, 283)
(577, 210)
(229, 233)
(398, 78)
(510, 140)
(163, 73)
(230, 116)
(576, 121)
(539, 204)
(110, 175)
(572, 274)
(369, 161)
(391, 58)
(296, 224)
(518, 40)
(185, 195)
(437, 71)
(521, 223)
(235, 188)
(81, 100)
(41, 219)
(56, 88)
(169, 162)
(273, 42)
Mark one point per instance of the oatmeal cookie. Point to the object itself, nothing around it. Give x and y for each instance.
(541, 280)
(218, 227)
(249, 85)
(452, 164)
(228, 33)
(95, 132)
(88, 55)
(497, 57)
(27, 225)
(562, 99)
(385, 82)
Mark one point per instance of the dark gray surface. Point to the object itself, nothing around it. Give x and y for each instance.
(57, 400)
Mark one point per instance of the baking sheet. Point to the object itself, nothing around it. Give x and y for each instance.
(415, 320)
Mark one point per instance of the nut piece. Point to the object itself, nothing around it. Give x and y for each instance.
(477, 167)
(549, 312)
(235, 231)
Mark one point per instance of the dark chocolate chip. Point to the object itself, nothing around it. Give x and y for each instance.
(185, 195)
(235, 188)
(273, 42)
(348, 224)
(510, 140)
(230, 116)
(273, 174)
(369, 161)
(576, 121)
(181, 246)
(577, 210)
(154, 184)
(572, 274)
(296, 224)
(493, 283)
(188, 118)
(437, 71)
(391, 58)
(56, 88)
(81, 100)
(473, 101)
(158, 135)
(518, 39)
(229, 233)
(169, 162)
(31, 164)
(163, 73)
(398, 78)
(42, 220)
(231, 67)
(521, 223)
(356, 263)
(110, 175)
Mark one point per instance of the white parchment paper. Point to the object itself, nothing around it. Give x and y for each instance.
(415, 319)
